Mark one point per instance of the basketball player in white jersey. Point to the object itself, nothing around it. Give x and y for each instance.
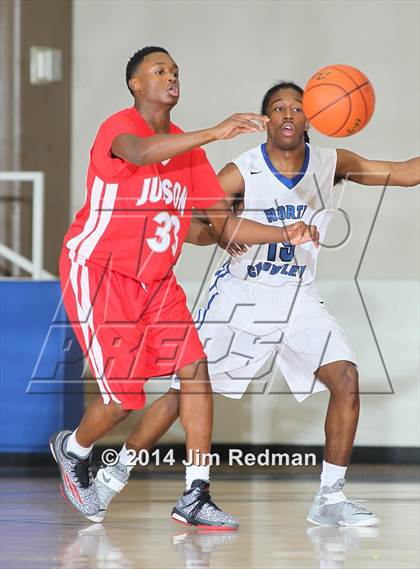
(263, 304)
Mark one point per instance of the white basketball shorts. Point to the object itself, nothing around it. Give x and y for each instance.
(246, 327)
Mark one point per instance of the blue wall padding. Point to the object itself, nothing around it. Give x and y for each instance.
(41, 366)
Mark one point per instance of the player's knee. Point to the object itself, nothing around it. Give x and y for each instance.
(346, 384)
(197, 372)
(117, 412)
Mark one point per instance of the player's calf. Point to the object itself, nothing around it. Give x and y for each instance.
(155, 422)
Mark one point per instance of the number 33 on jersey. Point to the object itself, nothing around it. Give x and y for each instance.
(154, 190)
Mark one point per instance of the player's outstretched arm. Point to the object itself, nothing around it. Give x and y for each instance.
(153, 149)
(230, 228)
(377, 172)
(202, 234)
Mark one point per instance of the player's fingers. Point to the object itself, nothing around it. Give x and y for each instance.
(314, 233)
(250, 123)
(242, 129)
(238, 248)
(253, 117)
(258, 124)
(238, 130)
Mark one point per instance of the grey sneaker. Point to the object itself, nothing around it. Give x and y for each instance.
(76, 476)
(331, 508)
(196, 508)
(109, 482)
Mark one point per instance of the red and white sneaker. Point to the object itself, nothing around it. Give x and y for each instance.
(76, 477)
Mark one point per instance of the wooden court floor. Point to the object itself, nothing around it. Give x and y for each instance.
(38, 529)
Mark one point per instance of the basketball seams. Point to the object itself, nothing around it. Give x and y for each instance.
(337, 68)
(329, 85)
(329, 104)
(347, 117)
(346, 94)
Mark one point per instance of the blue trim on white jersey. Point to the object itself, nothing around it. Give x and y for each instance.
(219, 275)
(288, 182)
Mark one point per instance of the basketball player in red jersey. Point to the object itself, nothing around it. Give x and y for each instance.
(268, 178)
(128, 312)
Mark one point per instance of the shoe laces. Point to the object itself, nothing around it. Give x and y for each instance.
(83, 473)
(203, 499)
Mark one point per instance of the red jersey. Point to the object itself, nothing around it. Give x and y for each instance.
(135, 218)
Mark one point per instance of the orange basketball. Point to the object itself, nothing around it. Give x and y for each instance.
(339, 100)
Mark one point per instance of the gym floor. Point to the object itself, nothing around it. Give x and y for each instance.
(39, 530)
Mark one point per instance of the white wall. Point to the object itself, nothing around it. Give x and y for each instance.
(229, 54)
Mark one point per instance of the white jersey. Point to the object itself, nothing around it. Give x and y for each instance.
(272, 199)
(243, 328)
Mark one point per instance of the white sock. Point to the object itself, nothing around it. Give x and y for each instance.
(126, 458)
(73, 446)
(331, 473)
(196, 473)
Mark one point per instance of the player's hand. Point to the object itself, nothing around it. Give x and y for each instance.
(234, 249)
(239, 123)
(298, 233)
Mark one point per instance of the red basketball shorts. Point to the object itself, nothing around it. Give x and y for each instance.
(128, 331)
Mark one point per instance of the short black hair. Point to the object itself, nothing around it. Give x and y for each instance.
(137, 58)
(277, 87)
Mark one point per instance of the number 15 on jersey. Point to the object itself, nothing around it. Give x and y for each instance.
(286, 252)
